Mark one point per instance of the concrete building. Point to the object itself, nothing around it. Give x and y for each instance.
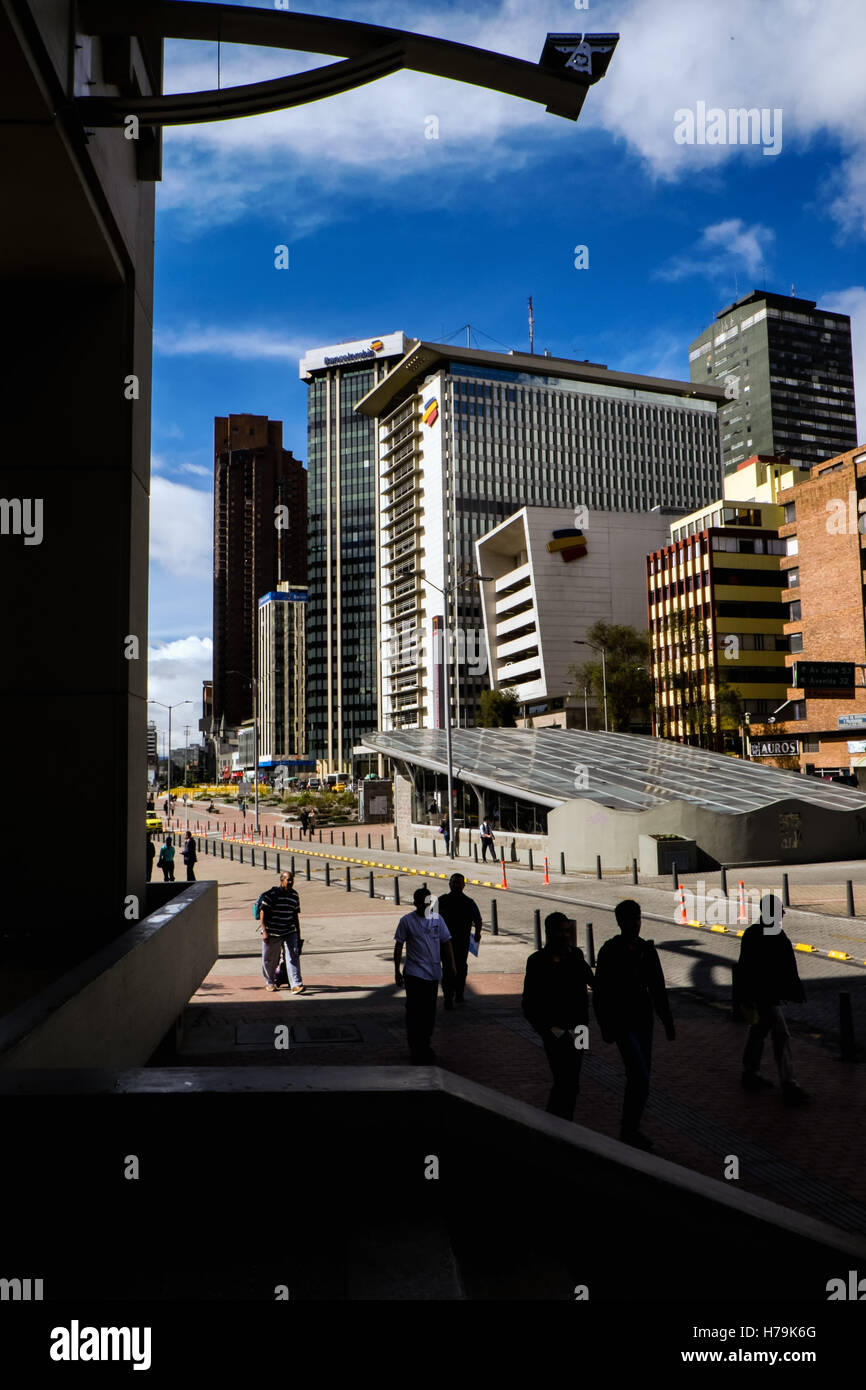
(253, 476)
(342, 544)
(551, 581)
(822, 726)
(282, 680)
(787, 367)
(465, 438)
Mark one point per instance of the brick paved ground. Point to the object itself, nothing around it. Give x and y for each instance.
(698, 1114)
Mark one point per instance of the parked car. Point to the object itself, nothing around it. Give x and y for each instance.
(153, 822)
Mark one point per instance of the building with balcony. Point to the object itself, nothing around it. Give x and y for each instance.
(282, 681)
(465, 438)
(787, 368)
(551, 581)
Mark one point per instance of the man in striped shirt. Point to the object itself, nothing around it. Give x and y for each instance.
(279, 912)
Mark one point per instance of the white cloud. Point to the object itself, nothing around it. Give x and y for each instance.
(175, 673)
(721, 249)
(197, 468)
(181, 529)
(853, 302)
(296, 166)
(250, 344)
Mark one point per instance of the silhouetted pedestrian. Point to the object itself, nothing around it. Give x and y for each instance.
(428, 944)
(305, 821)
(767, 975)
(555, 1003)
(462, 917)
(190, 855)
(629, 988)
(151, 853)
(444, 832)
(166, 860)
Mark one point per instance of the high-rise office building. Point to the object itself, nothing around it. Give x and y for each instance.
(343, 576)
(466, 438)
(787, 368)
(253, 477)
(282, 678)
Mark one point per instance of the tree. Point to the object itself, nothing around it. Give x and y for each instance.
(629, 685)
(498, 709)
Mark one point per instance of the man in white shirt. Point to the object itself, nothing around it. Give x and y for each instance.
(428, 943)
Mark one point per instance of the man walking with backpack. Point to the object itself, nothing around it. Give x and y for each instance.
(279, 913)
(629, 989)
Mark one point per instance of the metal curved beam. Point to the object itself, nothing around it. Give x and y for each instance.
(254, 99)
(556, 82)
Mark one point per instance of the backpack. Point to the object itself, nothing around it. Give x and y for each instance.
(257, 906)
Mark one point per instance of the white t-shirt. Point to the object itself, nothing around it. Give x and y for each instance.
(423, 937)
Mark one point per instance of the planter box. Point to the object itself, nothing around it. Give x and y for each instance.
(657, 854)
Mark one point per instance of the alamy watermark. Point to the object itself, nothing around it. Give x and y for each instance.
(22, 516)
(734, 126)
(412, 646)
(738, 909)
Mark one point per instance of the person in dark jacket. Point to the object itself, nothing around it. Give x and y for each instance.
(629, 989)
(189, 855)
(151, 852)
(555, 1003)
(767, 975)
(462, 917)
(305, 821)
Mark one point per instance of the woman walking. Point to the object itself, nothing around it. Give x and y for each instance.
(166, 860)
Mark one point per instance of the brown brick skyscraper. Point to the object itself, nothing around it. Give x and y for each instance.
(253, 474)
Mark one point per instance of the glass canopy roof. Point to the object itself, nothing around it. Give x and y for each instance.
(628, 772)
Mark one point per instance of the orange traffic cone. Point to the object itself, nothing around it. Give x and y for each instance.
(504, 883)
(741, 896)
(546, 878)
(682, 919)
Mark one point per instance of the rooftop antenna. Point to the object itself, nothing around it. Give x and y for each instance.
(469, 335)
(531, 328)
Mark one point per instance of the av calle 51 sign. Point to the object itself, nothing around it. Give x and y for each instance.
(823, 675)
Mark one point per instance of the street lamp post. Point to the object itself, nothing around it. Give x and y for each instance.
(447, 593)
(177, 704)
(581, 642)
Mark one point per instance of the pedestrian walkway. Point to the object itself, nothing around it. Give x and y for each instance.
(698, 1115)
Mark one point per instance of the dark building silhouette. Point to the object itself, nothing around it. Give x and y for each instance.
(253, 476)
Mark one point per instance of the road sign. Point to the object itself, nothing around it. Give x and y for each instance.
(823, 675)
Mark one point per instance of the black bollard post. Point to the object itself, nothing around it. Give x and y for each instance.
(382, 840)
(562, 862)
(242, 853)
(397, 843)
(849, 891)
(786, 892)
(434, 848)
(356, 839)
(531, 865)
(332, 837)
(348, 879)
(327, 874)
(396, 891)
(537, 926)
(723, 881)
(598, 866)
(372, 885)
(494, 917)
(222, 849)
(675, 878)
(253, 857)
(369, 842)
(231, 849)
(475, 852)
(264, 859)
(308, 870)
(846, 1028)
(278, 861)
(634, 871)
(590, 945)
(414, 844)
(293, 866)
(344, 837)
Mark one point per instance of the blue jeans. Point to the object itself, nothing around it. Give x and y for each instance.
(272, 948)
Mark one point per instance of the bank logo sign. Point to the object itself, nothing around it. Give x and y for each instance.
(430, 413)
(346, 354)
(570, 543)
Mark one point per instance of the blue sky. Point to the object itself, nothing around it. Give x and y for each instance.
(388, 229)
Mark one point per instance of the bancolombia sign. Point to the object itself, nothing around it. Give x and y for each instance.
(364, 350)
(774, 747)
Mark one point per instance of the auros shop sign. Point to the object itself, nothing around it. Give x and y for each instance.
(774, 747)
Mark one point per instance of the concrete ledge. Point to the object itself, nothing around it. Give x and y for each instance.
(114, 1008)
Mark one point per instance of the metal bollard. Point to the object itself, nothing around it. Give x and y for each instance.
(475, 851)
(253, 857)
(723, 883)
(634, 871)
(382, 839)
(327, 874)
(494, 917)
(675, 877)
(414, 844)
(849, 890)
(537, 926)
(278, 861)
(332, 837)
(786, 892)
(356, 839)
(348, 879)
(369, 842)
(222, 849)
(598, 866)
(531, 865)
(562, 862)
(242, 853)
(846, 1028)
(264, 859)
(434, 849)
(590, 945)
(372, 885)
(231, 849)
(344, 837)
(293, 866)
(396, 891)
(308, 870)
(397, 843)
